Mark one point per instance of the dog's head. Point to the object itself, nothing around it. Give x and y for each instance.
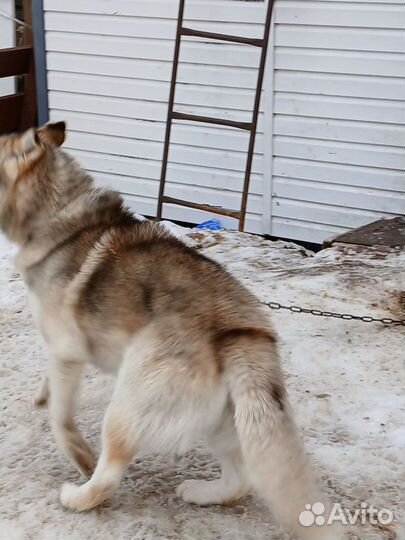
(27, 161)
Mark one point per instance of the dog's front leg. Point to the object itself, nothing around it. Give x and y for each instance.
(64, 378)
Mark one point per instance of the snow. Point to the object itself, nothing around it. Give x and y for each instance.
(346, 380)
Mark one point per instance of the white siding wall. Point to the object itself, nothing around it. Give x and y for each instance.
(109, 69)
(330, 149)
(339, 115)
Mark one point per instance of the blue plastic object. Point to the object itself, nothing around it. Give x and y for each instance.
(211, 225)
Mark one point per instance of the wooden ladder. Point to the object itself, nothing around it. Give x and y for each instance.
(247, 126)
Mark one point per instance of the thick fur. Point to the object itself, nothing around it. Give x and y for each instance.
(194, 353)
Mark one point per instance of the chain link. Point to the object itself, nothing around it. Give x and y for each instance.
(333, 315)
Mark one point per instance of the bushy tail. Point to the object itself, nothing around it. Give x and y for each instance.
(275, 461)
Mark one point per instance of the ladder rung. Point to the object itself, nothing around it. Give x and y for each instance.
(222, 37)
(211, 120)
(205, 207)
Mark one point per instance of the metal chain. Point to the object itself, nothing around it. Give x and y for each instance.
(332, 315)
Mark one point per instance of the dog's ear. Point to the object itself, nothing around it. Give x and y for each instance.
(53, 133)
(27, 149)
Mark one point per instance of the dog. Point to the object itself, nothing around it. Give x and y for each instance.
(194, 354)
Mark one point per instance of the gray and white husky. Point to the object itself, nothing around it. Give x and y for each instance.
(194, 354)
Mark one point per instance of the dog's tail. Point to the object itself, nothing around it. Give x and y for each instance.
(276, 464)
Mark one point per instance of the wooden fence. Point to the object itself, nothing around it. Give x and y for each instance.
(19, 111)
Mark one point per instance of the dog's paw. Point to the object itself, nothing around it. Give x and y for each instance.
(70, 497)
(76, 498)
(206, 493)
(85, 497)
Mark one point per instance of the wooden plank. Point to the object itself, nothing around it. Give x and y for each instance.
(10, 109)
(15, 61)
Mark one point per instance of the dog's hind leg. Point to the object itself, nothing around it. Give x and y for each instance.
(157, 405)
(64, 379)
(232, 484)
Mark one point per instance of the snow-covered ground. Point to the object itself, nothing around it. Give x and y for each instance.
(346, 380)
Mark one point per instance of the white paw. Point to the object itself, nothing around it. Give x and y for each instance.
(70, 497)
(205, 493)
